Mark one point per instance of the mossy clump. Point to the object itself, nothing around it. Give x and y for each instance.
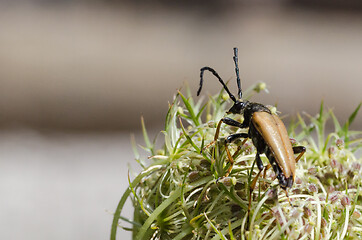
(180, 195)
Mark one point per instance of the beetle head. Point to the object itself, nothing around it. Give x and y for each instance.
(238, 107)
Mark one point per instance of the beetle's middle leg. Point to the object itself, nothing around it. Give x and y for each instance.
(229, 139)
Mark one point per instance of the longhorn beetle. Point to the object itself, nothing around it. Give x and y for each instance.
(266, 130)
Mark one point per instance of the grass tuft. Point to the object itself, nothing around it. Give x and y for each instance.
(177, 195)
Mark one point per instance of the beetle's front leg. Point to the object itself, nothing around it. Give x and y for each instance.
(230, 122)
(227, 121)
(234, 123)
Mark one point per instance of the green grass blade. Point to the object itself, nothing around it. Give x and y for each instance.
(142, 231)
(149, 145)
(352, 117)
(184, 233)
(320, 123)
(349, 122)
(190, 109)
(171, 129)
(198, 116)
(197, 149)
(135, 151)
(337, 126)
(215, 229)
(170, 113)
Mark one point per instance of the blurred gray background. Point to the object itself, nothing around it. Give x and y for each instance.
(75, 77)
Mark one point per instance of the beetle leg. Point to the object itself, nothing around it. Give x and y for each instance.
(266, 169)
(216, 136)
(259, 163)
(207, 146)
(227, 121)
(217, 130)
(299, 149)
(287, 195)
(264, 175)
(252, 185)
(238, 150)
(231, 158)
(229, 139)
(233, 137)
(231, 161)
(232, 122)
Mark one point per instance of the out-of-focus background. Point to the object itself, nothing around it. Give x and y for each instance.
(75, 77)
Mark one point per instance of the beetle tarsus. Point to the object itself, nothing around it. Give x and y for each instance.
(287, 195)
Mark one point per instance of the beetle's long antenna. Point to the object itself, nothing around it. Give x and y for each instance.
(202, 70)
(237, 72)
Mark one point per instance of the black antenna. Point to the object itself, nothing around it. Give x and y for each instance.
(237, 72)
(202, 70)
